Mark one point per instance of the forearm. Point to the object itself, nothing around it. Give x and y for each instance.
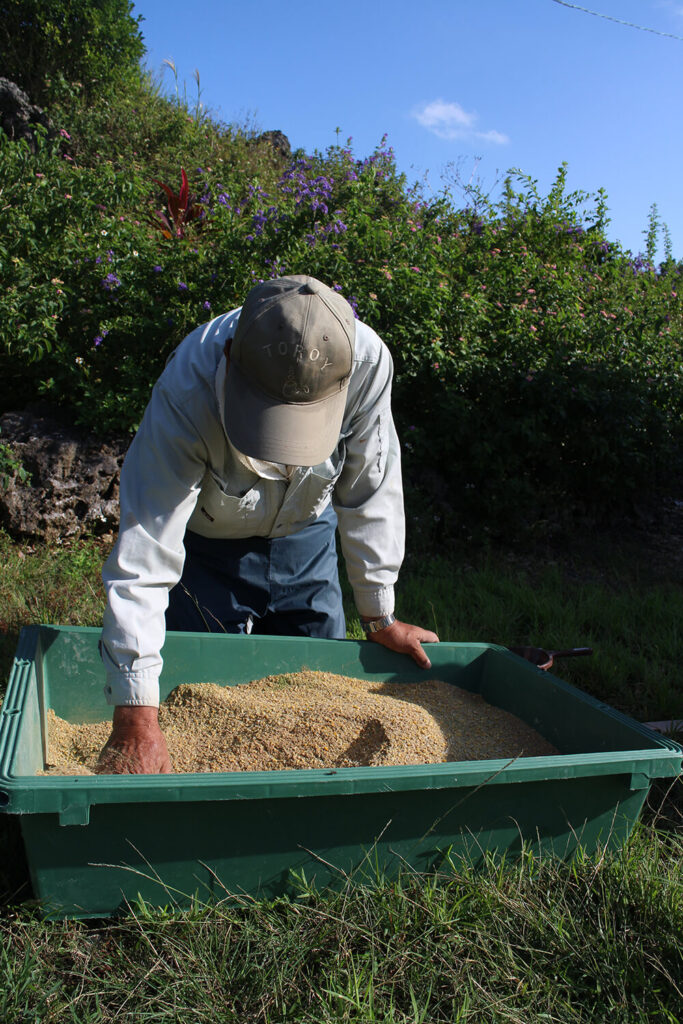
(137, 577)
(372, 529)
(159, 486)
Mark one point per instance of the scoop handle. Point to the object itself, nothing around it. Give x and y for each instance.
(571, 652)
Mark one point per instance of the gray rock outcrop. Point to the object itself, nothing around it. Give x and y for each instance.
(73, 479)
(18, 116)
(278, 142)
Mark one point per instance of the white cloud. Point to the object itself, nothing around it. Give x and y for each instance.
(493, 136)
(675, 6)
(444, 117)
(451, 121)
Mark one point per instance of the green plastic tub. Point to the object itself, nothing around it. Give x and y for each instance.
(93, 843)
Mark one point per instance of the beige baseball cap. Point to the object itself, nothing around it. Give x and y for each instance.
(290, 364)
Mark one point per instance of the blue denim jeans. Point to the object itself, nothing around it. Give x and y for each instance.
(284, 586)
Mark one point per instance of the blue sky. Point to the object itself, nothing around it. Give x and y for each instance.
(469, 86)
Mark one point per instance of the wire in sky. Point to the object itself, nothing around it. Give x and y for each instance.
(608, 17)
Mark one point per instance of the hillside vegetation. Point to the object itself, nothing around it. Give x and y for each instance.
(538, 364)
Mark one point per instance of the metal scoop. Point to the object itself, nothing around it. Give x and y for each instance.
(544, 659)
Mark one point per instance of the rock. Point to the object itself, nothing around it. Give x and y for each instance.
(18, 115)
(73, 478)
(278, 142)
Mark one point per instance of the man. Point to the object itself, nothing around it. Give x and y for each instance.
(270, 426)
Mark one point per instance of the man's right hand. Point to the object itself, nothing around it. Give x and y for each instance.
(136, 745)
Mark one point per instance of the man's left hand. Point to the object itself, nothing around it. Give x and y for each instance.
(406, 639)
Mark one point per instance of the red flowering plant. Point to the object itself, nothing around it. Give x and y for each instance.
(182, 209)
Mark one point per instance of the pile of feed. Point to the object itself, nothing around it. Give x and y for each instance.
(313, 720)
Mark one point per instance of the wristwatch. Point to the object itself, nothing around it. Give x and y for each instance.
(378, 624)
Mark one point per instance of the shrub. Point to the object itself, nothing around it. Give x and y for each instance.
(45, 43)
(537, 364)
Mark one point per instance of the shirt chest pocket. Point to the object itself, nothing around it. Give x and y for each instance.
(221, 514)
(311, 493)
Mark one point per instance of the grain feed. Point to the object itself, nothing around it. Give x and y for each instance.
(313, 720)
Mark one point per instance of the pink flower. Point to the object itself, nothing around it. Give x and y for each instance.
(64, 133)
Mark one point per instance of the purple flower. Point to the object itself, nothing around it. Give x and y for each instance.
(110, 283)
(182, 287)
(207, 304)
(157, 269)
(259, 220)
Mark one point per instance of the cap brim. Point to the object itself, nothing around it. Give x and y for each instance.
(296, 434)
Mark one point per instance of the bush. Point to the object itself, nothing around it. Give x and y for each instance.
(46, 43)
(537, 364)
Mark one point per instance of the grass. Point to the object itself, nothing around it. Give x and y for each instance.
(598, 939)
(47, 584)
(634, 630)
(530, 941)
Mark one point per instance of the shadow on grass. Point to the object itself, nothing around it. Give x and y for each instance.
(663, 807)
(9, 639)
(15, 885)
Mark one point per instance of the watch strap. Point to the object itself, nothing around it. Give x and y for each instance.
(376, 625)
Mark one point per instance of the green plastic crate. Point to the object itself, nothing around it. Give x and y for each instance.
(93, 843)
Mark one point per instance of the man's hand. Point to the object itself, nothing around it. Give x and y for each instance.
(136, 745)
(406, 639)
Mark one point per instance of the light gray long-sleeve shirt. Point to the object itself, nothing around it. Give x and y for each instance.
(181, 472)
